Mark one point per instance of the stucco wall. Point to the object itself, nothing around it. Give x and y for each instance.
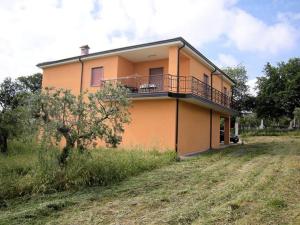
(198, 69)
(193, 127)
(110, 69)
(152, 125)
(190, 66)
(219, 83)
(184, 69)
(143, 68)
(228, 86)
(173, 60)
(63, 76)
(125, 67)
(67, 76)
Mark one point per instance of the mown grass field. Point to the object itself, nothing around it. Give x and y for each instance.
(254, 183)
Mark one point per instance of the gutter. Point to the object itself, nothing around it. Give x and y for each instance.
(211, 92)
(80, 89)
(177, 99)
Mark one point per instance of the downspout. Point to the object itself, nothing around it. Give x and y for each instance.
(211, 93)
(81, 74)
(177, 100)
(80, 89)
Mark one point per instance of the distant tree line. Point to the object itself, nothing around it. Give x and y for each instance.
(279, 90)
(278, 94)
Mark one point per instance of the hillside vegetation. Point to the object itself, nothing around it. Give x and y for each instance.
(254, 183)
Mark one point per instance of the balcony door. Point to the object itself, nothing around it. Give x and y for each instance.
(206, 88)
(156, 78)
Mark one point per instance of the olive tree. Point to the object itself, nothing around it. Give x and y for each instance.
(81, 120)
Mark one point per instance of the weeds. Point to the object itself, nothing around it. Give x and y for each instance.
(28, 169)
(277, 203)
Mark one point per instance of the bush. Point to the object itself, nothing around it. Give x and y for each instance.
(38, 171)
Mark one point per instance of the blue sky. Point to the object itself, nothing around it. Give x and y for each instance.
(228, 32)
(267, 11)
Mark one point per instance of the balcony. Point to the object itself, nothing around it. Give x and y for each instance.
(174, 86)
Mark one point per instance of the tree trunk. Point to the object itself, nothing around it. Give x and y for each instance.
(70, 143)
(66, 150)
(64, 155)
(3, 144)
(79, 146)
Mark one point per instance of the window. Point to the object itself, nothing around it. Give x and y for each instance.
(206, 86)
(97, 76)
(225, 91)
(206, 79)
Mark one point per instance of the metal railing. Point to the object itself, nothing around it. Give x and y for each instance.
(168, 83)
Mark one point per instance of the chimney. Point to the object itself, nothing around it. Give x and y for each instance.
(84, 50)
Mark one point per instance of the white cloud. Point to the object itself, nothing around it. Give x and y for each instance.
(288, 16)
(252, 86)
(226, 60)
(33, 31)
(251, 34)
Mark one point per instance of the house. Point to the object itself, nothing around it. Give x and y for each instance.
(178, 95)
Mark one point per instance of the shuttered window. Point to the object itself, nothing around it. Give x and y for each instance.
(225, 91)
(97, 76)
(206, 86)
(206, 79)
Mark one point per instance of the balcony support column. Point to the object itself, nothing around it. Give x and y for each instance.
(227, 130)
(173, 60)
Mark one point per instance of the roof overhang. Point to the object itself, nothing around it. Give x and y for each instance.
(126, 51)
(145, 50)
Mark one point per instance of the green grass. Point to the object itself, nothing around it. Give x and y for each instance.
(270, 132)
(254, 183)
(28, 170)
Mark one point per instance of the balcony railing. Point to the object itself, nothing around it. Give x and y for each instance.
(141, 85)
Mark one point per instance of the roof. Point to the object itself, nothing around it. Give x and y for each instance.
(145, 45)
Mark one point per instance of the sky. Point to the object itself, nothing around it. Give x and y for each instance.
(228, 32)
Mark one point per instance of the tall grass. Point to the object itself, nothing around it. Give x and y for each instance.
(28, 169)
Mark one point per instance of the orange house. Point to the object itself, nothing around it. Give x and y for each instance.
(178, 95)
